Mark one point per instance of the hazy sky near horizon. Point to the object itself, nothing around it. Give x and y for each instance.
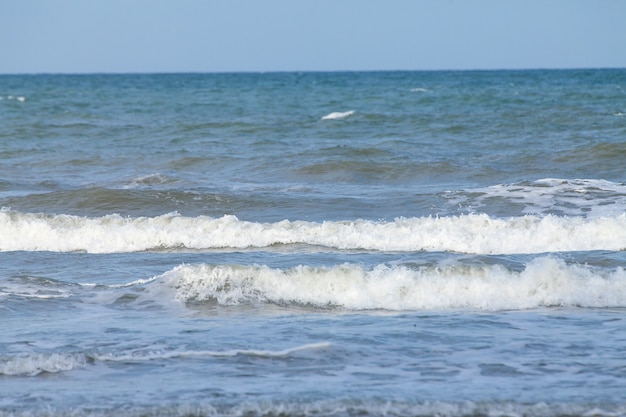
(87, 36)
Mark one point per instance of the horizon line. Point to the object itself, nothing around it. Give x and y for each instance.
(591, 68)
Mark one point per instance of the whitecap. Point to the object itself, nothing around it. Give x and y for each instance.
(471, 233)
(338, 115)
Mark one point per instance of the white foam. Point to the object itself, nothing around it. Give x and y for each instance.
(578, 197)
(546, 281)
(138, 282)
(419, 90)
(37, 363)
(338, 115)
(472, 233)
(21, 99)
(340, 408)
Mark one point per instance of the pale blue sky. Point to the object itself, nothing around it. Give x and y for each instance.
(77, 36)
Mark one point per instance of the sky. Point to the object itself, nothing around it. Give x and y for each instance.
(147, 36)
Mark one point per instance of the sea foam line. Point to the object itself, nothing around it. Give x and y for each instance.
(472, 233)
(34, 364)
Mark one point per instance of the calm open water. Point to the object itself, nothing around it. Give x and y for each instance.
(296, 244)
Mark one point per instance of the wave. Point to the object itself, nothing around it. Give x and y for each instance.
(40, 363)
(544, 282)
(338, 115)
(472, 233)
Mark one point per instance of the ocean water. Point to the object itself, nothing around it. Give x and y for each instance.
(313, 244)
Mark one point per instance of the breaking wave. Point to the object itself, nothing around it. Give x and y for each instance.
(472, 233)
(545, 281)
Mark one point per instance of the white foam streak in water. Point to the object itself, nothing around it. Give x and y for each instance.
(37, 363)
(474, 233)
(338, 115)
(581, 197)
(158, 355)
(545, 281)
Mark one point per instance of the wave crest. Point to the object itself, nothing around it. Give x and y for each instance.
(473, 233)
(545, 281)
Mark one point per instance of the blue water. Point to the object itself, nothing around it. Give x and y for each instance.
(293, 244)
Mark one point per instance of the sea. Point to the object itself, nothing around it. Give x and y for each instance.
(402, 243)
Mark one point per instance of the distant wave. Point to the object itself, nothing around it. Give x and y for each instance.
(472, 233)
(545, 281)
(21, 99)
(338, 115)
